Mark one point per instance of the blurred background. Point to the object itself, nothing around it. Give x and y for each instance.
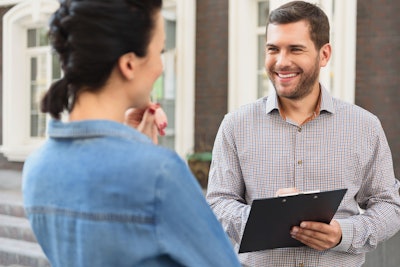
(214, 63)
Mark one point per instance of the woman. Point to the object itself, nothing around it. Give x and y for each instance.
(99, 192)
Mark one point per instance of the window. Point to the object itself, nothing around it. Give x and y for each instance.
(174, 90)
(178, 78)
(164, 91)
(44, 69)
(28, 70)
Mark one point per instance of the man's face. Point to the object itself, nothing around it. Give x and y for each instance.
(292, 61)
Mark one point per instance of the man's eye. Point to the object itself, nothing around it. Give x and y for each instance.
(297, 50)
(271, 49)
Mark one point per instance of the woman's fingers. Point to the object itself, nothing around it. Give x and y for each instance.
(161, 121)
(147, 125)
(133, 117)
(149, 121)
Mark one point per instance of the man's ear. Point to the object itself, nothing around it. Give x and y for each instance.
(325, 54)
(127, 65)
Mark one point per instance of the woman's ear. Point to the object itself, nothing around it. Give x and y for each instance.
(127, 65)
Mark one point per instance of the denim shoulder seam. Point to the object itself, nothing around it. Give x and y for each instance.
(122, 218)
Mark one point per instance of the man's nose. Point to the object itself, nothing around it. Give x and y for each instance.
(283, 59)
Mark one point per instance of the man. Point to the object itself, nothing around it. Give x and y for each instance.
(300, 137)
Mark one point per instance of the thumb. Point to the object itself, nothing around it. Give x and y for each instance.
(147, 125)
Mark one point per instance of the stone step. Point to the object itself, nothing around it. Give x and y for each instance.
(16, 228)
(18, 247)
(19, 252)
(11, 203)
(13, 265)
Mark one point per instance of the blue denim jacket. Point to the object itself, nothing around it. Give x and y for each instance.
(99, 193)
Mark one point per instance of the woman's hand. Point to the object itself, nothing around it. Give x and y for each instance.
(150, 121)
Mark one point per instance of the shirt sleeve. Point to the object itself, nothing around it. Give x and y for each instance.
(187, 229)
(378, 198)
(226, 188)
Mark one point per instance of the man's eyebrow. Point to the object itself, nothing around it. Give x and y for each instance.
(290, 46)
(297, 46)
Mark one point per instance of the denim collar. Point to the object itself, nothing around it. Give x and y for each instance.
(93, 128)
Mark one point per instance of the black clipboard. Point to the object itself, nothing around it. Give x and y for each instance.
(271, 219)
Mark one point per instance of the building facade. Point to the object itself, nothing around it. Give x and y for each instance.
(213, 65)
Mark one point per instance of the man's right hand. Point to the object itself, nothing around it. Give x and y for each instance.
(285, 191)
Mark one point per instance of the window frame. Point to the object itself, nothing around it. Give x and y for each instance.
(185, 74)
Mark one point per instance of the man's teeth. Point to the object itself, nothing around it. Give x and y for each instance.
(290, 75)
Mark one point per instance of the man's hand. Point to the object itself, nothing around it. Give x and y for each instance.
(150, 121)
(285, 191)
(319, 236)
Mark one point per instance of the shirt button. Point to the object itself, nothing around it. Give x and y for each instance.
(301, 265)
(299, 129)
(300, 162)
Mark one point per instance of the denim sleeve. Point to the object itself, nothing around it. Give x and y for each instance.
(187, 229)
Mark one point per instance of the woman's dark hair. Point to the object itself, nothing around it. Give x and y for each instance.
(298, 10)
(90, 36)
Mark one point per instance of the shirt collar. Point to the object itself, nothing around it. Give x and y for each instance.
(272, 103)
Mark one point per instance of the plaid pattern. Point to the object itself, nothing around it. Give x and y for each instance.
(256, 152)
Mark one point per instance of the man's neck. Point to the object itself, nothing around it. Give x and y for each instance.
(302, 110)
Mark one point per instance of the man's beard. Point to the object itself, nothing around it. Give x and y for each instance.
(304, 87)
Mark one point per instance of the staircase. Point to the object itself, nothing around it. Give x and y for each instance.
(18, 247)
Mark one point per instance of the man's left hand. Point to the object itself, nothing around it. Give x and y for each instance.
(319, 236)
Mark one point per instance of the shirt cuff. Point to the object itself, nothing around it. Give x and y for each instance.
(347, 235)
